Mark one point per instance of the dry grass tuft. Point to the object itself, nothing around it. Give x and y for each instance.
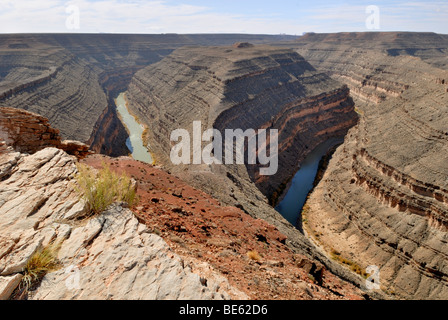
(336, 255)
(253, 255)
(43, 261)
(100, 189)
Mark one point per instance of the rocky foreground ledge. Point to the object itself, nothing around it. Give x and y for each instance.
(29, 132)
(116, 256)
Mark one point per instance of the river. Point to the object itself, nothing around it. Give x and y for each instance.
(135, 130)
(302, 183)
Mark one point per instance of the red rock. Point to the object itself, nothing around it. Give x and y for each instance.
(222, 236)
(29, 132)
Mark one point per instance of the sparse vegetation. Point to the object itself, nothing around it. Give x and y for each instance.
(305, 209)
(43, 261)
(273, 200)
(334, 252)
(253, 255)
(100, 189)
(359, 111)
(336, 255)
(311, 277)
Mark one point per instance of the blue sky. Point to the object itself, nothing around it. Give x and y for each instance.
(202, 16)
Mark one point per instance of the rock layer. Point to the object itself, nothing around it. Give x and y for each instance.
(67, 78)
(242, 87)
(217, 239)
(249, 87)
(383, 198)
(28, 132)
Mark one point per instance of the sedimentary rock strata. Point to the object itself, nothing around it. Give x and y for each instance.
(71, 79)
(54, 83)
(382, 201)
(28, 132)
(383, 198)
(249, 87)
(242, 87)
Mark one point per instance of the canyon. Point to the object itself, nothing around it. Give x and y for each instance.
(73, 79)
(177, 242)
(241, 87)
(381, 200)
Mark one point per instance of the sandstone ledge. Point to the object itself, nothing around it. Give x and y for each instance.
(115, 256)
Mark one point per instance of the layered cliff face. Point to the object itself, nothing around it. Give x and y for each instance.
(242, 87)
(71, 78)
(428, 46)
(383, 199)
(52, 82)
(375, 66)
(28, 132)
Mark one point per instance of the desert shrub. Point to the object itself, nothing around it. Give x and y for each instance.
(99, 189)
(43, 261)
(254, 255)
(334, 253)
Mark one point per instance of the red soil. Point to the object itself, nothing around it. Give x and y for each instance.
(196, 225)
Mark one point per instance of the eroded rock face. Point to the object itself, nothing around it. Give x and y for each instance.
(111, 256)
(215, 239)
(242, 87)
(28, 132)
(51, 81)
(255, 87)
(129, 263)
(383, 199)
(72, 79)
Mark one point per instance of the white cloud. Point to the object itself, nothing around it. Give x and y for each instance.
(133, 16)
(138, 16)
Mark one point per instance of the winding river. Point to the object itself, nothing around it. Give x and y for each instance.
(302, 183)
(135, 130)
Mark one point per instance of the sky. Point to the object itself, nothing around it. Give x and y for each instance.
(225, 16)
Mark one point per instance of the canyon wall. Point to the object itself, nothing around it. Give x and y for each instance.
(52, 82)
(70, 78)
(383, 198)
(243, 87)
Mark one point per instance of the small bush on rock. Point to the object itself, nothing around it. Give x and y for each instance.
(99, 189)
(43, 261)
(254, 255)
